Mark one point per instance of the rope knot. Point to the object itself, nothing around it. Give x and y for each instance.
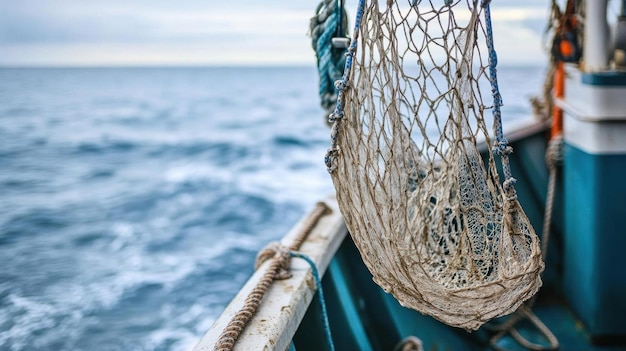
(280, 257)
(275, 250)
(329, 159)
(509, 189)
(502, 147)
(341, 85)
(337, 114)
(554, 152)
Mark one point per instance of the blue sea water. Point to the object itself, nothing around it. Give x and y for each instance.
(133, 201)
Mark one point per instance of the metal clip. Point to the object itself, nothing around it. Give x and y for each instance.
(340, 43)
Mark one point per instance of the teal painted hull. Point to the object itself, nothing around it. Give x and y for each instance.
(364, 317)
(594, 274)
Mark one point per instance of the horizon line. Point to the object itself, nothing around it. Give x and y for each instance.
(208, 65)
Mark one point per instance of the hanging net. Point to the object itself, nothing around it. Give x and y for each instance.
(413, 168)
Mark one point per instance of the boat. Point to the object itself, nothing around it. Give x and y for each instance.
(329, 300)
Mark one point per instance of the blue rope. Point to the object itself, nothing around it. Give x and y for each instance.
(501, 145)
(318, 282)
(341, 86)
(330, 60)
(343, 83)
(326, 67)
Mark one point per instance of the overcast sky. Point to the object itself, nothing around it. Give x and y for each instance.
(204, 32)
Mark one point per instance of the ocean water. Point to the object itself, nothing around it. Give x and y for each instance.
(133, 201)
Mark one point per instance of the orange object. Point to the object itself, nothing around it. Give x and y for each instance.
(566, 48)
(559, 92)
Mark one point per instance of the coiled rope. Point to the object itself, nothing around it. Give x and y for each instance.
(280, 257)
(328, 29)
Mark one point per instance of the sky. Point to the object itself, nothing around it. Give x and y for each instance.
(205, 32)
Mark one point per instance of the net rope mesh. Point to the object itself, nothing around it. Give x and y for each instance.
(431, 218)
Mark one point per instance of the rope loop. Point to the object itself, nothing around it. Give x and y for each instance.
(279, 257)
(279, 252)
(508, 327)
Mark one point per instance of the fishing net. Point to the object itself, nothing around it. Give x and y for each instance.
(411, 162)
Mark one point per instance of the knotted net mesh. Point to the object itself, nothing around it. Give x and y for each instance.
(415, 177)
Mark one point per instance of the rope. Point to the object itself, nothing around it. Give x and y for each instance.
(508, 327)
(328, 23)
(320, 210)
(342, 85)
(501, 145)
(554, 157)
(279, 257)
(320, 292)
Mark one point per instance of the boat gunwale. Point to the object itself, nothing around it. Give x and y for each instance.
(286, 301)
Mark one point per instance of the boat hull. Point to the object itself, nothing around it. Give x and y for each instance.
(364, 317)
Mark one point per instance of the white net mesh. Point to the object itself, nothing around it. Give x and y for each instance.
(428, 213)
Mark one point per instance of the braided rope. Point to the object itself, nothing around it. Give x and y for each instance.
(342, 85)
(328, 22)
(279, 257)
(554, 158)
(501, 145)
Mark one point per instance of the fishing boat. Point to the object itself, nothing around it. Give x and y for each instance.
(313, 290)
